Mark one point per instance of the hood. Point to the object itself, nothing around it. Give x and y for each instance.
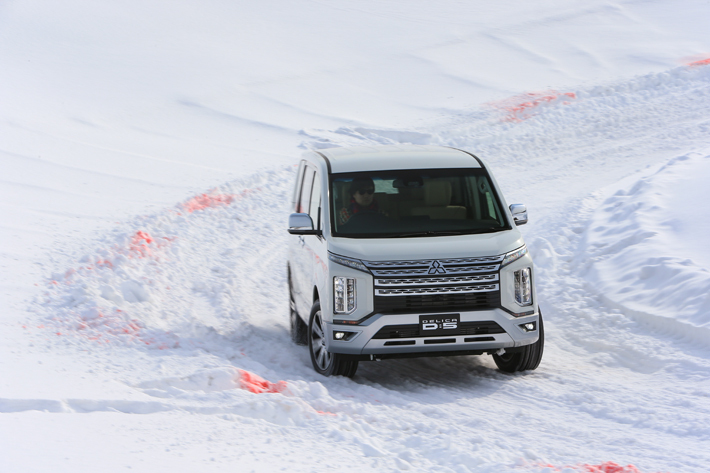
(442, 247)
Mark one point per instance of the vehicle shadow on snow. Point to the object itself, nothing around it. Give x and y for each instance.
(470, 373)
(477, 376)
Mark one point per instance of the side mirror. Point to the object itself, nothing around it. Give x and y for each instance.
(520, 214)
(301, 224)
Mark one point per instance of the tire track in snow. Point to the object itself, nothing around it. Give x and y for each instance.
(608, 388)
(615, 377)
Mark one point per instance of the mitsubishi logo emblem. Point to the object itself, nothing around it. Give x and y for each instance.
(436, 268)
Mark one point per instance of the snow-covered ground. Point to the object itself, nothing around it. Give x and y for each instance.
(147, 151)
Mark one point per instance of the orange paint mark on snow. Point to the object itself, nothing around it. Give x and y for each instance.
(519, 107)
(142, 245)
(139, 244)
(131, 328)
(108, 326)
(143, 236)
(204, 201)
(702, 62)
(606, 467)
(258, 385)
(611, 467)
(104, 262)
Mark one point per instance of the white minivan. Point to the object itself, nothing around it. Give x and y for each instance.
(408, 251)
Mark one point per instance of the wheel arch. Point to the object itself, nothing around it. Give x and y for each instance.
(316, 296)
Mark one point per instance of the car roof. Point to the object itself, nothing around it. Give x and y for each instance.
(393, 157)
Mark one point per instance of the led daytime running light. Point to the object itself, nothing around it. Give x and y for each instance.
(350, 263)
(514, 255)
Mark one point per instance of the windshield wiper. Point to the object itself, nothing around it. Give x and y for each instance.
(428, 233)
(439, 233)
(423, 233)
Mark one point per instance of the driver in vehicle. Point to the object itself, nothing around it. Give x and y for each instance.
(362, 199)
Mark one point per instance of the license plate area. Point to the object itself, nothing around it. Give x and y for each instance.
(439, 324)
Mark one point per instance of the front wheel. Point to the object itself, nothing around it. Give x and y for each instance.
(324, 362)
(524, 358)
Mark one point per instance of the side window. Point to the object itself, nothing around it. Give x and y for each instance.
(297, 187)
(304, 203)
(315, 202)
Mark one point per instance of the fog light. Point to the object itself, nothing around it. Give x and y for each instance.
(344, 336)
(523, 287)
(528, 327)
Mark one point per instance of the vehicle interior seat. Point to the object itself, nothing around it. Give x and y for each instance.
(437, 197)
(386, 204)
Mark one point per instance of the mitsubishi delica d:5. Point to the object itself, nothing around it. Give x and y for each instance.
(408, 251)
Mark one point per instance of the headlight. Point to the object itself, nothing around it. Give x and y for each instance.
(523, 287)
(514, 255)
(344, 292)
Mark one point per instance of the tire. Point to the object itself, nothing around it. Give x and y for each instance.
(324, 362)
(299, 329)
(526, 358)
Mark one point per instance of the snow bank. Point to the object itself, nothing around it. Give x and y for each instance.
(646, 247)
(164, 280)
(181, 303)
(163, 345)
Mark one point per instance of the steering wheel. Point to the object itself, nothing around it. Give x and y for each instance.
(365, 219)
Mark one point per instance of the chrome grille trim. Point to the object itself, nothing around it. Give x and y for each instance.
(436, 290)
(423, 271)
(436, 285)
(399, 282)
(399, 272)
(427, 262)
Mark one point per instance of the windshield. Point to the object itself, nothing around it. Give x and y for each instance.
(414, 203)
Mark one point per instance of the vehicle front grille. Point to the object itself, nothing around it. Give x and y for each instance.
(487, 327)
(436, 285)
(437, 303)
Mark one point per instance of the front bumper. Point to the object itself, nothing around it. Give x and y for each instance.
(363, 342)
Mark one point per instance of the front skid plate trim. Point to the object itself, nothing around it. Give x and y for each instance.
(432, 354)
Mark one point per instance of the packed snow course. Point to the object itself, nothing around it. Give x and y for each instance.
(147, 155)
(187, 309)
